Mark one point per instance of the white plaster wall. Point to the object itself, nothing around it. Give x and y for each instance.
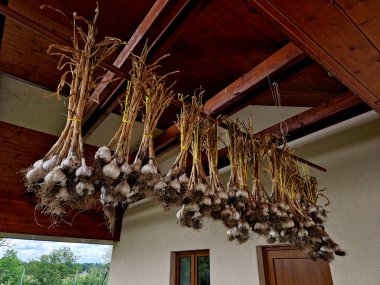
(352, 158)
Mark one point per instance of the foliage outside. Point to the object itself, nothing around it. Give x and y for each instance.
(59, 267)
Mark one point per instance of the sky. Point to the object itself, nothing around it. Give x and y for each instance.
(33, 249)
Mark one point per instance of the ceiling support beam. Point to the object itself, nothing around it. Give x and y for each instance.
(183, 11)
(338, 109)
(135, 39)
(283, 57)
(328, 34)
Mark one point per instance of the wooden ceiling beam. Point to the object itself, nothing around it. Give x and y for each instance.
(330, 35)
(183, 11)
(283, 57)
(337, 109)
(135, 39)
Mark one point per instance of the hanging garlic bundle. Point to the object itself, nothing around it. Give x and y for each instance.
(197, 199)
(219, 196)
(321, 245)
(176, 179)
(258, 215)
(112, 161)
(243, 203)
(158, 96)
(62, 177)
(230, 215)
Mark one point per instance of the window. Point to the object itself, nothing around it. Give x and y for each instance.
(192, 268)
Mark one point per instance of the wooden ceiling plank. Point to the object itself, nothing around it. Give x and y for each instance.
(332, 39)
(289, 53)
(52, 37)
(228, 95)
(135, 39)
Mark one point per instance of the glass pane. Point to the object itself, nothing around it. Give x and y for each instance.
(203, 263)
(184, 271)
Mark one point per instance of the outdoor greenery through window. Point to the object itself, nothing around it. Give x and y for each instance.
(192, 268)
(30, 262)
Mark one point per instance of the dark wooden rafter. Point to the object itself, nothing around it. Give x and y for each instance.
(332, 37)
(141, 30)
(286, 55)
(173, 25)
(335, 110)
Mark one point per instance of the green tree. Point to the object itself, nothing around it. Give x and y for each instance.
(53, 268)
(11, 268)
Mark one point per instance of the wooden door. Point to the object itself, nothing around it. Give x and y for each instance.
(287, 266)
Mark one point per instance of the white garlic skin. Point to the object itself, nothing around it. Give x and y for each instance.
(243, 226)
(123, 187)
(38, 164)
(241, 194)
(192, 207)
(288, 224)
(222, 195)
(200, 187)
(104, 154)
(160, 186)
(83, 170)
(63, 194)
(34, 174)
(56, 176)
(217, 201)
(149, 168)
(175, 185)
(111, 169)
(197, 215)
(260, 226)
(126, 168)
(183, 179)
(50, 163)
(274, 234)
(302, 233)
(71, 163)
(206, 201)
(83, 187)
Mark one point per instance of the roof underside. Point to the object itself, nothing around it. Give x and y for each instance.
(316, 51)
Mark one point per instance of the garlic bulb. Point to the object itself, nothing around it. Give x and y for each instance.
(175, 185)
(244, 226)
(274, 209)
(288, 224)
(160, 186)
(62, 194)
(231, 233)
(325, 248)
(183, 179)
(311, 209)
(126, 168)
(302, 232)
(149, 168)
(200, 187)
(226, 213)
(34, 174)
(83, 170)
(206, 201)
(197, 215)
(38, 164)
(222, 195)
(111, 169)
(50, 163)
(192, 207)
(217, 201)
(123, 187)
(260, 226)
(56, 176)
(104, 154)
(83, 187)
(241, 194)
(70, 163)
(274, 234)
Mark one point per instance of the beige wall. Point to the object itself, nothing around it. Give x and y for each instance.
(352, 158)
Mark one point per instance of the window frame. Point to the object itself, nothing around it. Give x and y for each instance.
(193, 254)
